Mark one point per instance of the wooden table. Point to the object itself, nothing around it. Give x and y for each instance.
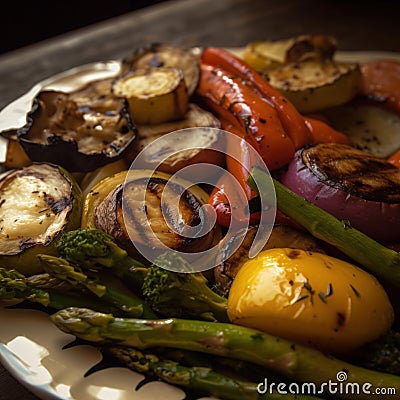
(357, 26)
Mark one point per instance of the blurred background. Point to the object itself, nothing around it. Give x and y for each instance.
(32, 21)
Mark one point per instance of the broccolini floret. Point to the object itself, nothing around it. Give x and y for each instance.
(181, 294)
(91, 248)
(382, 354)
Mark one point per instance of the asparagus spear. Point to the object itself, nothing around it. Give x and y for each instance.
(129, 303)
(293, 361)
(203, 379)
(167, 292)
(378, 259)
(39, 289)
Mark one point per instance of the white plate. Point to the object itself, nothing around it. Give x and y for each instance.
(31, 347)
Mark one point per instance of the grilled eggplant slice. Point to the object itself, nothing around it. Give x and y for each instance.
(154, 95)
(314, 85)
(103, 210)
(37, 203)
(158, 55)
(80, 131)
(281, 236)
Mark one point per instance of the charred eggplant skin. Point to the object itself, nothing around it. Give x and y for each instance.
(60, 147)
(44, 201)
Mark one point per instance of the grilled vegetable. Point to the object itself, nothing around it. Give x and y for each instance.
(47, 291)
(395, 159)
(97, 194)
(186, 147)
(93, 250)
(370, 127)
(166, 55)
(103, 210)
(184, 294)
(260, 116)
(203, 379)
(16, 156)
(92, 178)
(292, 122)
(231, 98)
(380, 260)
(194, 117)
(314, 85)
(381, 82)
(80, 131)
(350, 184)
(298, 363)
(310, 298)
(265, 55)
(155, 95)
(110, 292)
(37, 203)
(281, 236)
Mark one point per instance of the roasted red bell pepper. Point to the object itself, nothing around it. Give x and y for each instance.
(252, 109)
(291, 119)
(321, 132)
(232, 99)
(256, 123)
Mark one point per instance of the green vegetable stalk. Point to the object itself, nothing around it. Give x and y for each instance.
(128, 303)
(182, 294)
(45, 290)
(202, 379)
(379, 260)
(293, 361)
(169, 293)
(95, 250)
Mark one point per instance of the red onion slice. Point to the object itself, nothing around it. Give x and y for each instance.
(377, 219)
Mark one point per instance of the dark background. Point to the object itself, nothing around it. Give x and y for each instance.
(26, 23)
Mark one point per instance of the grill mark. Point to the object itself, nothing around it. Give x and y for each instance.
(354, 171)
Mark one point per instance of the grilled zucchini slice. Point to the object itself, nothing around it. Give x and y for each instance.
(37, 203)
(154, 95)
(264, 55)
(103, 210)
(314, 85)
(169, 55)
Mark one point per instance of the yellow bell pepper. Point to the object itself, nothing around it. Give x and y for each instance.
(310, 298)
